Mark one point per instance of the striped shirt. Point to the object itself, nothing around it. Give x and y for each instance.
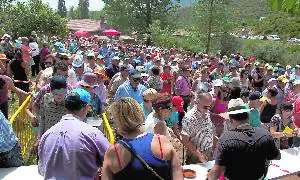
(50, 113)
(199, 129)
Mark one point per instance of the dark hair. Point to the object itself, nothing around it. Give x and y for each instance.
(273, 92)
(73, 102)
(60, 66)
(31, 39)
(223, 88)
(243, 72)
(286, 106)
(240, 116)
(245, 94)
(161, 100)
(18, 54)
(155, 70)
(2, 83)
(58, 82)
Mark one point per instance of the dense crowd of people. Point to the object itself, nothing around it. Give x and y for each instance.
(231, 109)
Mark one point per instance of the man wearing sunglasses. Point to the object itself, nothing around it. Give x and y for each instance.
(64, 57)
(132, 88)
(197, 130)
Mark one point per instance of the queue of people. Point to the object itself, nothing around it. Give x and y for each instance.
(215, 106)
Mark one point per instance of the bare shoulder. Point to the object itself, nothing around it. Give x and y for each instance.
(123, 154)
(165, 145)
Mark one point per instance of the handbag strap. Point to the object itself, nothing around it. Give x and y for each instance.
(127, 146)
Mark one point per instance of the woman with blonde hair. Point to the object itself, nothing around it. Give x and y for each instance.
(138, 155)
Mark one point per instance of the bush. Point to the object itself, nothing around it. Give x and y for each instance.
(229, 44)
(272, 51)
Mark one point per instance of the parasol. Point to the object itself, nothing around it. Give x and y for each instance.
(81, 33)
(111, 32)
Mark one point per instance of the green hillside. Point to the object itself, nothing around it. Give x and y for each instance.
(244, 11)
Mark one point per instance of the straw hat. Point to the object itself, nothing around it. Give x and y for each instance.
(236, 106)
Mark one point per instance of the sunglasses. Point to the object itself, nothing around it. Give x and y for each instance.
(287, 110)
(207, 107)
(137, 80)
(59, 91)
(146, 101)
(78, 67)
(64, 59)
(87, 87)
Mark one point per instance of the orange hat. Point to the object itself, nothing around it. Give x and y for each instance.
(3, 57)
(101, 71)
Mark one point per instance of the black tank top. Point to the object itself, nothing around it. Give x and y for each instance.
(18, 71)
(259, 84)
(268, 112)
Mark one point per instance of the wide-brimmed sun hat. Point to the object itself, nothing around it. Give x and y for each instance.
(101, 71)
(89, 80)
(236, 106)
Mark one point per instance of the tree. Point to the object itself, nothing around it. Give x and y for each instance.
(212, 19)
(290, 6)
(23, 18)
(4, 4)
(73, 13)
(83, 8)
(62, 10)
(133, 15)
(97, 14)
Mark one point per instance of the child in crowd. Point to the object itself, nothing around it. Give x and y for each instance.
(172, 121)
(254, 104)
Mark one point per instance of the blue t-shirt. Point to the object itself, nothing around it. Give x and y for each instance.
(126, 90)
(172, 120)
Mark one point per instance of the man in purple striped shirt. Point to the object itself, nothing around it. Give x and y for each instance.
(183, 88)
(72, 149)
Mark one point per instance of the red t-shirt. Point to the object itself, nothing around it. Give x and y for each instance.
(166, 85)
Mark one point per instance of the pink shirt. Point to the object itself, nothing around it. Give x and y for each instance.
(297, 111)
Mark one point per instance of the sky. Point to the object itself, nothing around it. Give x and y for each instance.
(94, 4)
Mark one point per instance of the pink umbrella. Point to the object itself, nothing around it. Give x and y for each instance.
(81, 33)
(111, 32)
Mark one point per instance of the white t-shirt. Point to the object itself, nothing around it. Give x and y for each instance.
(151, 122)
(34, 49)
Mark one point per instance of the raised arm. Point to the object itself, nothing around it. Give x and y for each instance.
(12, 87)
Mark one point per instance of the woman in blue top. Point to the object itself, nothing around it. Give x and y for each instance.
(155, 150)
